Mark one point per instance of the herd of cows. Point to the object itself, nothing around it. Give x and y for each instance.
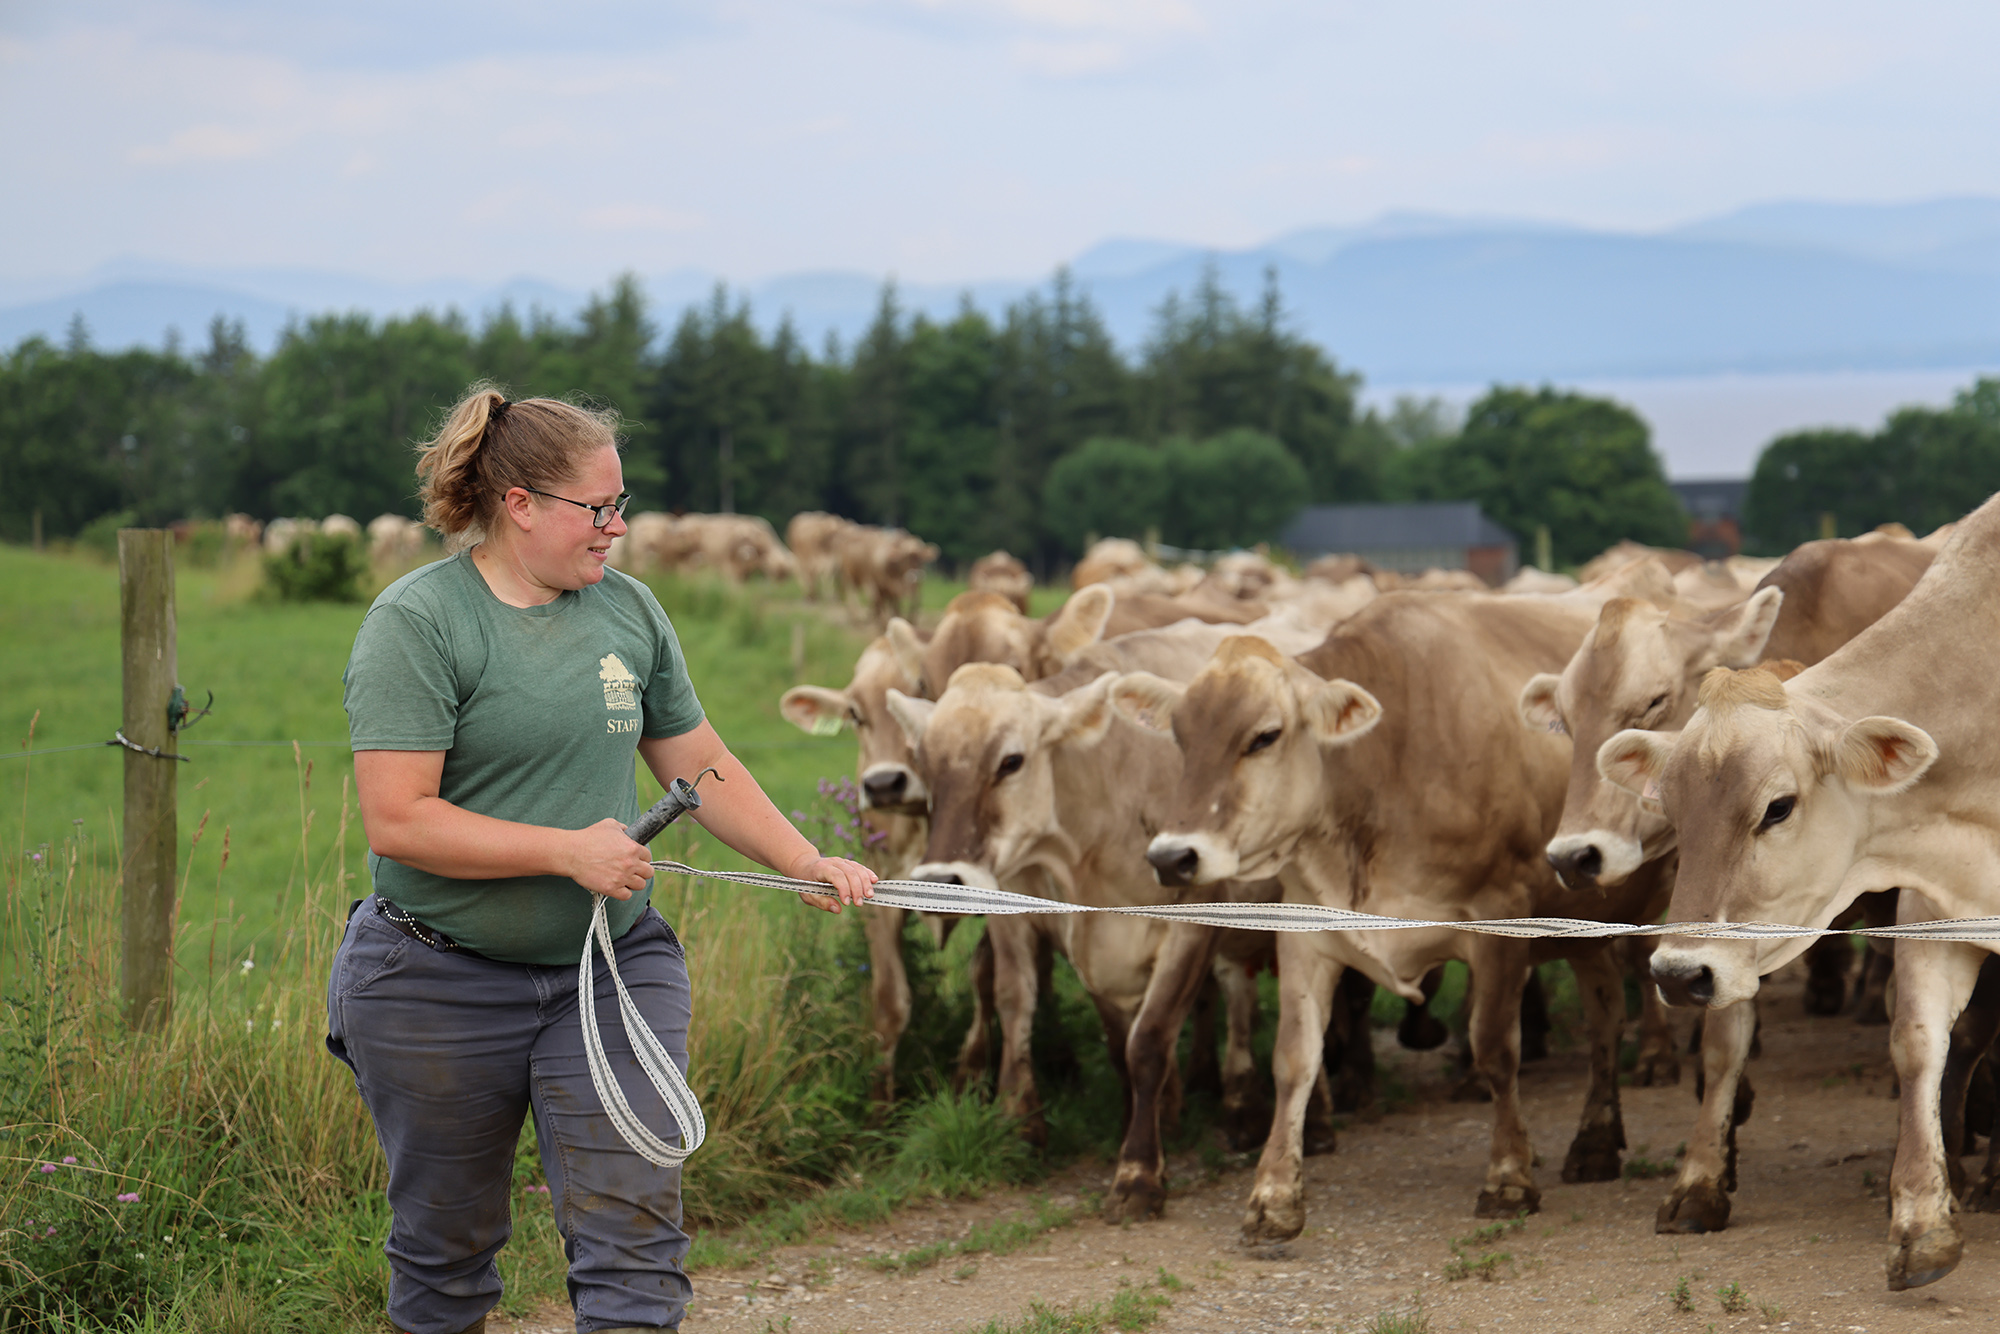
(1805, 741)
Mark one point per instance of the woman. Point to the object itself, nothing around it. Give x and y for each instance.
(495, 700)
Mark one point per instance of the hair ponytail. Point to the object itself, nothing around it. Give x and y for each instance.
(488, 445)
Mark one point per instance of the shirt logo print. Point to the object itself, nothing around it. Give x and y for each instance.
(621, 688)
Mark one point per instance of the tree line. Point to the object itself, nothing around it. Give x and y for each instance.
(1028, 430)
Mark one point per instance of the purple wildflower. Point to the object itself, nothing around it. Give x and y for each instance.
(129, 1197)
(48, 1167)
(69, 1160)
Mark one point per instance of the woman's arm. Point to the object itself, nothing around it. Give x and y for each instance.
(737, 812)
(406, 821)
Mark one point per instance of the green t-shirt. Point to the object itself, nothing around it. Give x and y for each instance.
(539, 711)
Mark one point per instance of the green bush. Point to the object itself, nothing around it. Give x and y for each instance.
(1230, 490)
(318, 567)
(101, 534)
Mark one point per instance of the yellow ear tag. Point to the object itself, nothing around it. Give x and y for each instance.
(826, 724)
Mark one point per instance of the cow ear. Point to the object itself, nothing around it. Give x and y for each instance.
(1341, 711)
(1538, 703)
(1080, 622)
(814, 709)
(1084, 715)
(909, 651)
(1883, 755)
(911, 714)
(1147, 700)
(1742, 632)
(1636, 760)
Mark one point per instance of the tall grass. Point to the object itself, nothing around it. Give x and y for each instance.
(227, 1164)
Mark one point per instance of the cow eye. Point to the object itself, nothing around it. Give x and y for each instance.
(854, 716)
(1658, 700)
(1009, 764)
(1777, 812)
(1261, 741)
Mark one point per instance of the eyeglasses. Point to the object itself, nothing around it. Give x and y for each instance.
(600, 515)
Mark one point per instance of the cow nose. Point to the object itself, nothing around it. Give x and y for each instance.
(1174, 866)
(943, 878)
(1578, 868)
(1683, 984)
(883, 789)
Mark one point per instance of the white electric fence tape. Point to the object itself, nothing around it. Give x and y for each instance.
(938, 897)
(653, 1059)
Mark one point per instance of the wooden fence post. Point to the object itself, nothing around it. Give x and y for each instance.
(152, 836)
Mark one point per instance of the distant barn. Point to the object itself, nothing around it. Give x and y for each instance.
(1715, 514)
(1446, 535)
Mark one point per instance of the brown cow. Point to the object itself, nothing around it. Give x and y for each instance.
(811, 535)
(998, 572)
(1330, 772)
(883, 567)
(1640, 667)
(1040, 788)
(1877, 769)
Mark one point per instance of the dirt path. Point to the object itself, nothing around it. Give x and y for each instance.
(1805, 1241)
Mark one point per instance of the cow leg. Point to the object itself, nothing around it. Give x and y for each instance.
(1307, 972)
(975, 1054)
(1659, 1060)
(889, 993)
(1971, 1034)
(1932, 987)
(1593, 1154)
(1246, 1105)
(1699, 1201)
(1350, 1054)
(1499, 975)
(1827, 963)
(1534, 1018)
(1179, 971)
(1204, 1070)
(1014, 996)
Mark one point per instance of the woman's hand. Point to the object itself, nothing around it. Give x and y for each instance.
(604, 861)
(851, 881)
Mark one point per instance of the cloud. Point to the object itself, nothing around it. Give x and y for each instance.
(205, 143)
(640, 218)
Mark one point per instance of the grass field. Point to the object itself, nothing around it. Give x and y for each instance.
(223, 1176)
(275, 669)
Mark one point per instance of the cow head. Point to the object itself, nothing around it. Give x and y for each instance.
(1770, 792)
(1253, 728)
(986, 627)
(1638, 668)
(889, 779)
(986, 749)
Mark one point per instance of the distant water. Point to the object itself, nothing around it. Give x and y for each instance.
(1716, 425)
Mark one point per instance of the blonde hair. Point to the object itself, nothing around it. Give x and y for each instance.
(487, 446)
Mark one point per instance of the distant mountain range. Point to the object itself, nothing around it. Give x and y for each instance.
(1408, 298)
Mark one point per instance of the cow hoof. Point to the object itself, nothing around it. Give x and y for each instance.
(1266, 1222)
(1984, 1196)
(1924, 1259)
(1508, 1202)
(1874, 1012)
(1703, 1207)
(1135, 1201)
(1590, 1162)
(1826, 995)
(1421, 1030)
(1657, 1069)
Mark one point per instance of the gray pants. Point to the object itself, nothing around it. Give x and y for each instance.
(450, 1051)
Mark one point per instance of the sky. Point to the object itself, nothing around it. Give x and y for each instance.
(937, 140)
